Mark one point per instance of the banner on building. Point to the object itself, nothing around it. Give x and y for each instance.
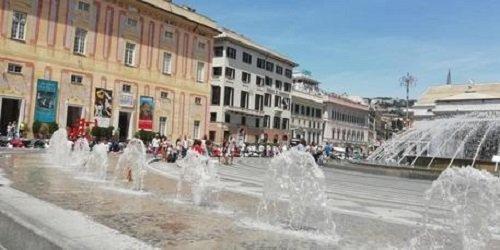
(46, 101)
(103, 107)
(146, 106)
(126, 100)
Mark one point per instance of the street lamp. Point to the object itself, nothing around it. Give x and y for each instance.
(408, 81)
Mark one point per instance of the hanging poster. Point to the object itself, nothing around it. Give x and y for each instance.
(103, 107)
(46, 101)
(146, 106)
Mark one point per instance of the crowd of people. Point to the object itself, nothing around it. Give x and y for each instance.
(170, 151)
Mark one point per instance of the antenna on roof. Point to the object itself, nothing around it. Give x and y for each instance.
(448, 78)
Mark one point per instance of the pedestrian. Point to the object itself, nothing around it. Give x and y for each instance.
(155, 144)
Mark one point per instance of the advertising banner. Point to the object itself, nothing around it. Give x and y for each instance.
(126, 100)
(146, 106)
(103, 107)
(46, 101)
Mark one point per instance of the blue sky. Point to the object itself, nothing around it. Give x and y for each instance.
(362, 47)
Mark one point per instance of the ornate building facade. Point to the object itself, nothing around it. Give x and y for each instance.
(307, 109)
(131, 64)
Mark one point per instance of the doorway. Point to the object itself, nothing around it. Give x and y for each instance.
(123, 125)
(73, 116)
(9, 113)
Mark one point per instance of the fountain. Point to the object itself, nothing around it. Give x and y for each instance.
(470, 195)
(59, 147)
(80, 153)
(198, 180)
(462, 140)
(294, 194)
(131, 164)
(97, 165)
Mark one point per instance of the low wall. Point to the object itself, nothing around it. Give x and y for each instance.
(404, 172)
(18, 235)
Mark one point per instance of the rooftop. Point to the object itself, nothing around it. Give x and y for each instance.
(459, 92)
(248, 43)
(184, 12)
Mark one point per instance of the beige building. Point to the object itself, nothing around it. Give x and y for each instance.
(131, 64)
(457, 99)
(251, 89)
(307, 109)
(348, 123)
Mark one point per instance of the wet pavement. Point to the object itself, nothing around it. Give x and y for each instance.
(370, 211)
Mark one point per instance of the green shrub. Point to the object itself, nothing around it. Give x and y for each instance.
(102, 133)
(145, 136)
(36, 128)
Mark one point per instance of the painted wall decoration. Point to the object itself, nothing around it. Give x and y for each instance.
(46, 101)
(103, 107)
(146, 107)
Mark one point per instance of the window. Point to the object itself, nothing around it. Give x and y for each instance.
(18, 25)
(259, 101)
(257, 122)
(217, 72)
(213, 116)
(230, 73)
(168, 34)
(211, 135)
(247, 58)
(129, 54)
(318, 113)
(197, 100)
(244, 99)
(196, 129)
(131, 22)
(218, 51)
(200, 72)
(164, 95)
(288, 73)
(276, 123)
(259, 81)
(261, 63)
(243, 120)
(201, 45)
(227, 118)
(270, 66)
(126, 88)
(167, 63)
(215, 95)
(266, 121)
(287, 87)
(286, 103)
(278, 84)
(14, 68)
(267, 100)
(246, 77)
(284, 124)
(279, 70)
(269, 81)
(308, 111)
(277, 101)
(231, 52)
(83, 6)
(76, 79)
(296, 108)
(228, 96)
(302, 110)
(162, 128)
(79, 43)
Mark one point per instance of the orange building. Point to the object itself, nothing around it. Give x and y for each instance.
(131, 64)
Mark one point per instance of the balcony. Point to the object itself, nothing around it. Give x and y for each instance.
(245, 111)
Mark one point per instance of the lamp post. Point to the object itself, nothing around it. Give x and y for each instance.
(408, 81)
